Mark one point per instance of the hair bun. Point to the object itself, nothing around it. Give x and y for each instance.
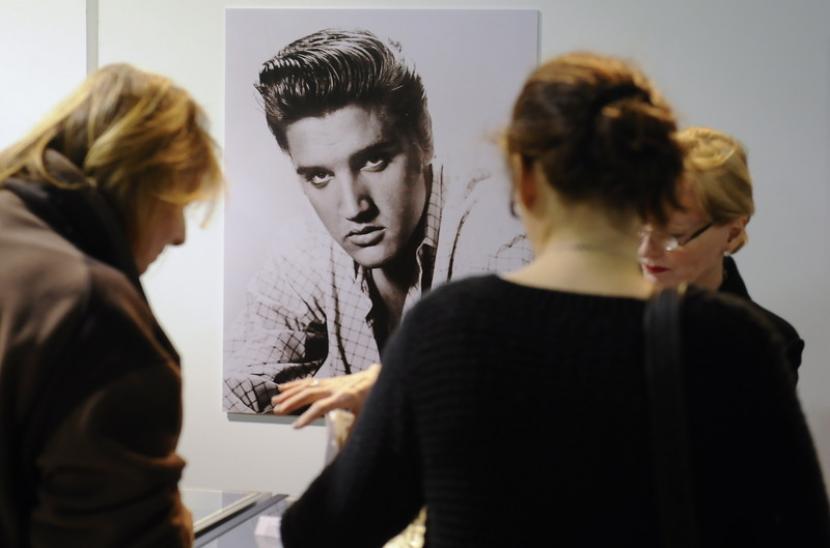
(600, 132)
(631, 129)
(633, 141)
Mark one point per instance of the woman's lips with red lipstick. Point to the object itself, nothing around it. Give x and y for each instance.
(654, 269)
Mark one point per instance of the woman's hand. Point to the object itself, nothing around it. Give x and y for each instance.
(343, 392)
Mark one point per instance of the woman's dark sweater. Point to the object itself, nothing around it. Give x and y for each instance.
(519, 417)
(734, 284)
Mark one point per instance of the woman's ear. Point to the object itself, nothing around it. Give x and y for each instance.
(524, 182)
(736, 236)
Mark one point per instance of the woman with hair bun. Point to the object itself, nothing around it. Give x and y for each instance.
(696, 243)
(515, 408)
(90, 386)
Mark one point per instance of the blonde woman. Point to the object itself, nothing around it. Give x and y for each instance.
(90, 388)
(696, 243)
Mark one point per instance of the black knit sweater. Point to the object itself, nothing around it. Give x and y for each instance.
(519, 417)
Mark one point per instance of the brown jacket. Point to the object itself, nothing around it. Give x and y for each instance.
(90, 387)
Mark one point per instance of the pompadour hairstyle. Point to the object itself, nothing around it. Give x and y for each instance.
(332, 68)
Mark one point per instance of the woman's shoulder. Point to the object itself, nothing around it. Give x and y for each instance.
(734, 285)
(721, 328)
(458, 303)
(42, 274)
(465, 289)
(708, 311)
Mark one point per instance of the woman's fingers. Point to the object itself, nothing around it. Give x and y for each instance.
(343, 392)
(290, 390)
(295, 383)
(300, 398)
(345, 399)
(286, 393)
(317, 410)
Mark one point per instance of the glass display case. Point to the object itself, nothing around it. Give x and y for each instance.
(235, 519)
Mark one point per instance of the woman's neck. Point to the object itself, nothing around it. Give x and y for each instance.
(711, 278)
(581, 246)
(593, 263)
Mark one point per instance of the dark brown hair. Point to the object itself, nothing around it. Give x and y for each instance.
(600, 132)
(333, 68)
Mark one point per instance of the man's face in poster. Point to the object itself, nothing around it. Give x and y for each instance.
(366, 181)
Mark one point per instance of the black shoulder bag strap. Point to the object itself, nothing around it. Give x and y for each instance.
(669, 436)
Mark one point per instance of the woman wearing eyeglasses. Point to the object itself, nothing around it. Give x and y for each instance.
(696, 243)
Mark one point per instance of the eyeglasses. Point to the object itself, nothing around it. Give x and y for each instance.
(672, 243)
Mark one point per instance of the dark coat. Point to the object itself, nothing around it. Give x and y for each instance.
(793, 343)
(90, 387)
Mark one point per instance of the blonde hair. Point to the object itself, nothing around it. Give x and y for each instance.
(134, 135)
(717, 172)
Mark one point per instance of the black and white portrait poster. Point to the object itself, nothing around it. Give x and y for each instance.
(361, 150)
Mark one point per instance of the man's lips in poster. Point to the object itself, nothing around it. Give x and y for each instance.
(366, 236)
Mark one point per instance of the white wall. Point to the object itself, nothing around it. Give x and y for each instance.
(42, 57)
(758, 69)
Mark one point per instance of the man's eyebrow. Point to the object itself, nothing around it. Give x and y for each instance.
(375, 148)
(308, 170)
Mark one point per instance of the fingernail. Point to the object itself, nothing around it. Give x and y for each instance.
(278, 408)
